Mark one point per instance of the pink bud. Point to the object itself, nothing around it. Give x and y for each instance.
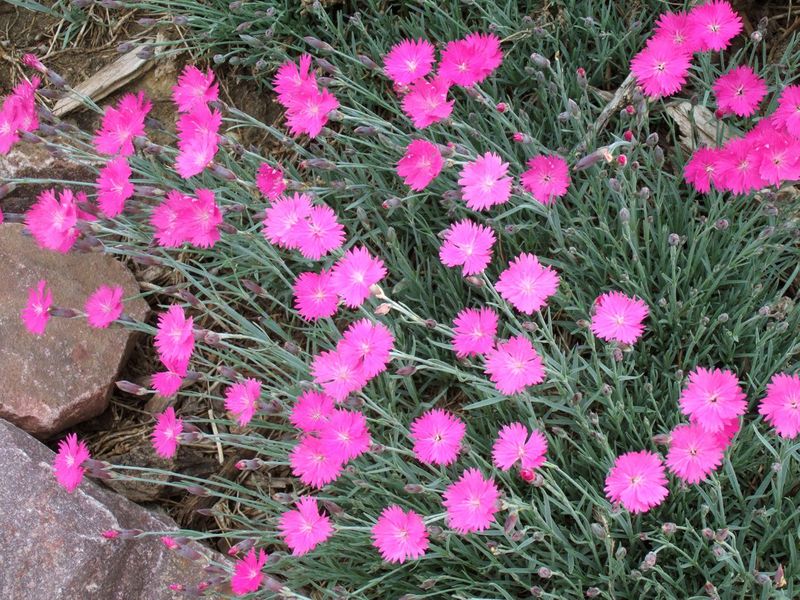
(527, 475)
(110, 534)
(630, 109)
(501, 107)
(622, 160)
(628, 136)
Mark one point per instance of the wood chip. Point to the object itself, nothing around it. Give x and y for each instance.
(106, 81)
(698, 126)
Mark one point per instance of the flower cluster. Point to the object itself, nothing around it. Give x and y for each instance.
(18, 113)
(307, 105)
(292, 222)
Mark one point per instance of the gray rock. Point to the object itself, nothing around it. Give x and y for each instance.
(51, 382)
(52, 544)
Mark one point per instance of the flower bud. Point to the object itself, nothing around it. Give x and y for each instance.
(132, 388)
(368, 62)
(540, 61)
(318, 44)
(582, 81)
(406, 371)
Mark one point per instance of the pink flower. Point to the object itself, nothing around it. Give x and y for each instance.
(114, 186)
(471, 60)
(408, 61)
(426, 103)
(194, 88)
(637, 481)
(36, 313)
(787, 115)
(547, 178)
(247, 573)
(739, 91)
(121, 124)
(338, 375)
(399, 535)
(514, 365)
(169, 542)
(304, 528)
(270, 181)
(420, 165)
(618, 317)
(469, 245)
(484, 182)
(309, 110)
(693, 454)
(715, 24)
(18, 113)
(344, 435)
(241, 399)
(104, 306)
(69, 458)
(712, 397)
(293, 79)
(202, 219)
(514, 444)
(168, 221)
(52, 222)
(527, 284)
(198, 140)
(661, 68)
(368, 345)
(315, 295)
(165, 434)
(780, 159)
(354, 274)
(471, 502)
(738, 162)
(313, 464)
(312, 411)
(702, 170)
(677, 28)
(283, 220)
(319, 232)
(175, 337)
(437, 436)
(167, 383)
(474, 331)
(724, 436)
(781, 406)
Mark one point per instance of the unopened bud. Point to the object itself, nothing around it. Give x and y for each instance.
(132, 388)
(540, 61)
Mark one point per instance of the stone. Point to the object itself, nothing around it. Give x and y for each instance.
(52, 543)
(52, 382)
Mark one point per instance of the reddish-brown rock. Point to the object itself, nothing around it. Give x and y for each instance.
(52, 544)
(51, 382)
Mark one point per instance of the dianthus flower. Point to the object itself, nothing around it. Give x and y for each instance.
(175, 337)
(702, 169)
(787, 114)
(474, 331)
(715, 24)
(693, 453)
(318, 233)
(104, 306)
(270, 181)
(547, 178)
(712, 397)
(315, 295)
(345, 435)
(312, 411)
(514, 365)
(420, 165)
(354, 274)
(399, 535)
(471, 60)
(313, 464)
(637, 481)
(165, 434)
(484, 182)
(408, 61)
(738, 162)
(471, 502)
(69, 458)
(114, 186)
(194, 88)
(515, 444)
(241, 399)
(122, 123)
(338, 375)
(36, 313)
(527, 284)
(304, 528)
(247, 575)
(167, 383)
(426, 102)
(52, 221)
(468, 245)
(283, 220)
(781, 405)
(661, 68)
(198, 140)
(368, 345)
(677, 29)
(739, 91)
(437, 436)
(618, 317)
